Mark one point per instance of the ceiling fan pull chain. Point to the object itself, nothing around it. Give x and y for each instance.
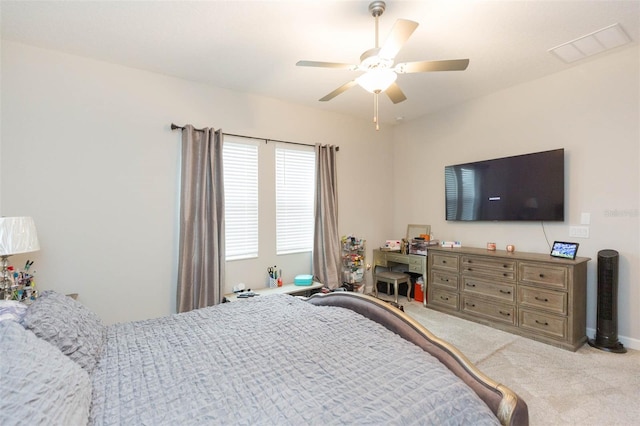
(375, 111)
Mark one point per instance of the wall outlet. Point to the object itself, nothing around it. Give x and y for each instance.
(579, 231)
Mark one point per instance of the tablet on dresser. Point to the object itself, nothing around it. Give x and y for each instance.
(564, 250)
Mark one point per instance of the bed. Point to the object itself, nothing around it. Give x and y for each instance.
(339, 358)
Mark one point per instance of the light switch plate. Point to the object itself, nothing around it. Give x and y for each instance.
(585, 218)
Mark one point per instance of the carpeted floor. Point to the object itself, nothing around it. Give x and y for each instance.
(587, 387)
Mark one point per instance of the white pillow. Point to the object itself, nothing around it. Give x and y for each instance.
(12, 310)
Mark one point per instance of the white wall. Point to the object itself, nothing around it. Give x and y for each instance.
(592, 111)
(87, 151)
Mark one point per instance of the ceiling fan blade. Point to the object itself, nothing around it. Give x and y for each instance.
(339, 90)
(400, 33)
(325, 65)
(395, 93)
(426, 66)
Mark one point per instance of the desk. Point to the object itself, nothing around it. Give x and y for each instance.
(285, 289)
(415, 262)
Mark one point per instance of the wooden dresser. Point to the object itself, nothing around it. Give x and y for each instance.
(532, 295)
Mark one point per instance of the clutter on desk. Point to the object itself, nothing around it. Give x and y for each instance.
(392, 245)
(417, 240)
(275, 277)
(451, 244)
(421, 244)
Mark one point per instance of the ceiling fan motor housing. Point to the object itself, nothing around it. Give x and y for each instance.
(370, 60)
(376, 8)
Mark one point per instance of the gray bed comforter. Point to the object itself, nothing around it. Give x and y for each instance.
(273, 360)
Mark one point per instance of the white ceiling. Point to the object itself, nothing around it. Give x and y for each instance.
(253, 46)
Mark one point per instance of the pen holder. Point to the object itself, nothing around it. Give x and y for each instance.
(273, 282)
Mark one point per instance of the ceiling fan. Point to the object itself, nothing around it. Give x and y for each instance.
(377, 63)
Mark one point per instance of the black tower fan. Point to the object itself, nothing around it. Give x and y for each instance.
(607, 323)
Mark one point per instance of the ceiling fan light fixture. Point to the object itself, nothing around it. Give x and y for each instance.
(377, 64)
(377, 80)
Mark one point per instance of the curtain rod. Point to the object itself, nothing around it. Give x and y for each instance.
(176, 127)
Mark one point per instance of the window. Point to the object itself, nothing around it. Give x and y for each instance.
(241, 198)
(295, 188)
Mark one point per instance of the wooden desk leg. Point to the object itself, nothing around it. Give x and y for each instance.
(375, 282)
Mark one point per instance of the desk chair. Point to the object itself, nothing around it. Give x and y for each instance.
(395, 278)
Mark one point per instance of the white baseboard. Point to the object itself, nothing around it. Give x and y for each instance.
(628, 342)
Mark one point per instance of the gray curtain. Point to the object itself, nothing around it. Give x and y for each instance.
(201, 265)
(326, 244)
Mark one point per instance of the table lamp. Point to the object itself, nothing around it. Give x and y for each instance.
(17, 235)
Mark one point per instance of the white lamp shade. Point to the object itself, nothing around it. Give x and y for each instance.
(18, 235)
(377, 80)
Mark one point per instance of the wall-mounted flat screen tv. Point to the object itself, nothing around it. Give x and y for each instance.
(527, 187)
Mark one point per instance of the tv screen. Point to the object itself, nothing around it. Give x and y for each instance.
(527, 187)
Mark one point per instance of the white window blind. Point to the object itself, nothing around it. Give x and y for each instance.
(241, 199)
(295, 188)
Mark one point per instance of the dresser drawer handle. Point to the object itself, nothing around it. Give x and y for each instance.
(469, 269)
(471, 305)
(505, 291)
(541, 275)
(541, 299)
(444, 280)
(470, 285)
(444, 298)
(506, 314)
(505, 266)
(444, 262)
(505, 275)
(542, 323)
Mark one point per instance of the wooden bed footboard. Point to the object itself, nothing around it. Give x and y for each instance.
(508, 407)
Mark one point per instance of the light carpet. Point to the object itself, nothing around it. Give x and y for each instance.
(586, 387)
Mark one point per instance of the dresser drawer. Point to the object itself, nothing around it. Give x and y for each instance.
(416, 269)
(417, 263)
(553, 276)
(503, 268)
(417, 259)
(552, 301)
(495, 311)
(445, 261)
(443, 279)
(546, 324)
(443, 298)
(494, 289)
(396, 257)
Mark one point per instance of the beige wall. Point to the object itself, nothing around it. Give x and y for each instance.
(592, 111)
(87, 151)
